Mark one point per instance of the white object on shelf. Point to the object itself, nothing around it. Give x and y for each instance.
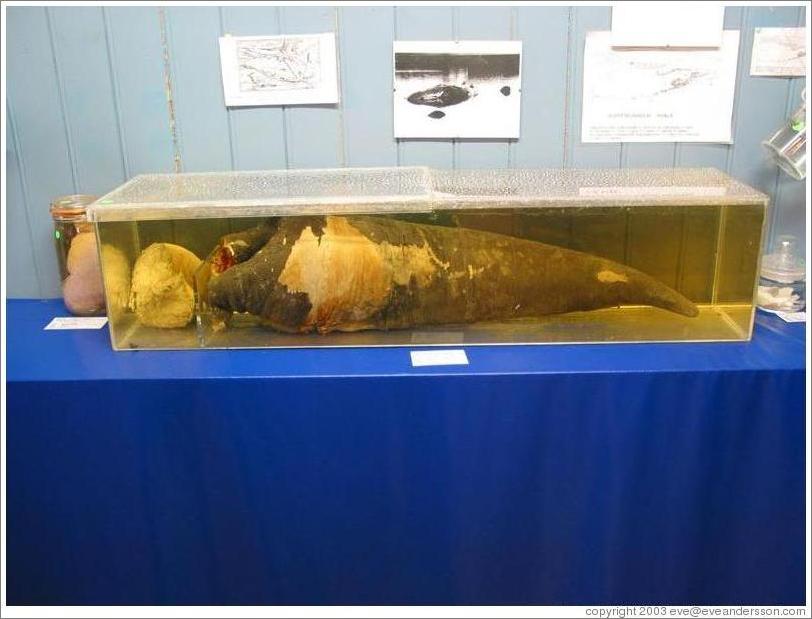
(781, 286)
(792, 316)
(76, 322)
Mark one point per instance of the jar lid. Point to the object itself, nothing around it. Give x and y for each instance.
(72, 206)
(785, 265)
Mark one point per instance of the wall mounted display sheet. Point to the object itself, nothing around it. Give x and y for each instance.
(279, 70)
(457, 89)
(658, 95)
(779, 52)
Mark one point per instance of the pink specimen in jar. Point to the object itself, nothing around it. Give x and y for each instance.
(82, 289)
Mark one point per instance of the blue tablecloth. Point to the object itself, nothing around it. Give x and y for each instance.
(599, 474)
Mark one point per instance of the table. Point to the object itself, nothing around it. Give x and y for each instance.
(591, 474)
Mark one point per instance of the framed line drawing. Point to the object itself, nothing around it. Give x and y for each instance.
(297, 69)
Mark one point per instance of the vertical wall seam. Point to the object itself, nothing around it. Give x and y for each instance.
(568, 88)
(341, 146)
(60, 87)
(286, 143)
(229, 112)
(18, 152)
(744, 35)
(115, 88)
(168, 91)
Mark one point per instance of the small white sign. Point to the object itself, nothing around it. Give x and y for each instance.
(792, 316)
(667, 24)
(658, 95)
(76, 322)
(779, 52)
(422, 358)
(294, 69)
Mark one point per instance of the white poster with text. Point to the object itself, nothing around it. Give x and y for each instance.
(660, 95)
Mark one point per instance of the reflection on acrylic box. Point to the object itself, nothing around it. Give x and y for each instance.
(457, 89)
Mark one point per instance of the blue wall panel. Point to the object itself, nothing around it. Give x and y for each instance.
(200, 114)
(545, 47)
(137, 71)
(22, 265)
(36, 107)
(654, 155)
(80, 53)
(365, 37)
(97, 95)
(711, 155)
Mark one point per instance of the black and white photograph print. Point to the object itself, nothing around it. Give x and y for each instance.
(279, 70)
(457, 89)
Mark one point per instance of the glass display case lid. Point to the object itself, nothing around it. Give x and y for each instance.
(409, 190)
(591, 187)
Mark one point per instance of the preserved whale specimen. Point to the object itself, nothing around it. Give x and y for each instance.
(354, 273)
(413, 256)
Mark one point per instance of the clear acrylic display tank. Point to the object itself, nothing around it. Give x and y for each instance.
(416, 256)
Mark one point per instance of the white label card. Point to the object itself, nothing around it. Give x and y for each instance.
(76, 322)
(423, 358)
(792, 316)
